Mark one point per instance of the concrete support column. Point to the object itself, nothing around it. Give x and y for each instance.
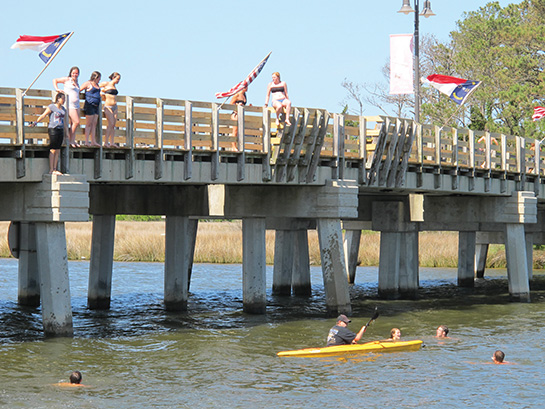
(408, 264)
(334, 266)
(253, 266)
(388, 268)
(352, 240)
(179, 250)
(28, 292)
(466, 258)
(301, 265)
(481, 251)
(517, 262)
(102, 259)
(54, 278)
(530, 254)
(283, 262)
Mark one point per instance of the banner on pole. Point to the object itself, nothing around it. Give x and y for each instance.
(401, 64)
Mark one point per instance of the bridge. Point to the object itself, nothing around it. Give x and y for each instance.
(327, 171)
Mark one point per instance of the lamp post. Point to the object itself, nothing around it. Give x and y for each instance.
(426, 12)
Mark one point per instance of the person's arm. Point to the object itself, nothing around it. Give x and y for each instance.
(85, 86)
(268, 95)
(58, 81)
(286, 90)
(359, 334)
(42, 116)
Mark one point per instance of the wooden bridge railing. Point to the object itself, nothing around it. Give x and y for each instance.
(381, 147)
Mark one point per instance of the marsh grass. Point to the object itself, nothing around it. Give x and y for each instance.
(221, 242)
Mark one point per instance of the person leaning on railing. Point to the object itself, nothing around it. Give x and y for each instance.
(55, 130)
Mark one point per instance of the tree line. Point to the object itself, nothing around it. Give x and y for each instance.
(504, 47)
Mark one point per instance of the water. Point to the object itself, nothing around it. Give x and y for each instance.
(213, 355)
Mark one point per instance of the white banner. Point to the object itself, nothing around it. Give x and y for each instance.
(401, 64)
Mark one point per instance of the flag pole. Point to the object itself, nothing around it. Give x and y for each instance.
(49, 62)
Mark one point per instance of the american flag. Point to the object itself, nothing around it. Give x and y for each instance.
(539, 112)
(255, 72)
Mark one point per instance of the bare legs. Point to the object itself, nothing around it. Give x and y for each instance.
(90, 129)
(53, 161)
(279, 107)
(111, 116)
(74, 120)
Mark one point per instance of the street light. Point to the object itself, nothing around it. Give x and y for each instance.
(426, 12)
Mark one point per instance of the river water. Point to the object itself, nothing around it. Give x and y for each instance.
(138, 355)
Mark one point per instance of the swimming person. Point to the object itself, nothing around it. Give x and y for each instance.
(71, 89)
(280, 101)
(341, 335)
(498, 357)
(56, 113)
(442, 331)
(75, 380)
(109, 92)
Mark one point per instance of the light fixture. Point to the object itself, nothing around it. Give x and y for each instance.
(426, 12)
(406, 8)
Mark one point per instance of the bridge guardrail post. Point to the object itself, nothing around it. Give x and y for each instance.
(241, 157)
(362, 136)
(188, 154)
(129, 132)
(159, 134)
(266, 173)
(215, 159)
(20, 132)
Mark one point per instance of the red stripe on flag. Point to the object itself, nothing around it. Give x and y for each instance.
(539, 112)
(46, 39)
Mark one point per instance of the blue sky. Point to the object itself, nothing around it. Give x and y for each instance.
(191, 50)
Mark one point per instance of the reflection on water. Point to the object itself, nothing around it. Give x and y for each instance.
(213, 355)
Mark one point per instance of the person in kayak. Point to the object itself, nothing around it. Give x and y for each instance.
(442, 331)
(341, 335)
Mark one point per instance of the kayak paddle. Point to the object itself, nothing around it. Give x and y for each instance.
(374, 317)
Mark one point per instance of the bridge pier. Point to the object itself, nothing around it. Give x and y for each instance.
(352, 240)
(99, 291)
(466, 258)
(254, 296)
(180, 236)
(333, 266)
(284, 259)
(28, 292)
(517, 262)
(55, 283)
(481, 252)
(301, 285)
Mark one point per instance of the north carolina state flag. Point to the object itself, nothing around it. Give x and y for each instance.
(458, 89)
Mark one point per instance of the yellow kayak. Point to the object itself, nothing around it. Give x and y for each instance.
(375, 346)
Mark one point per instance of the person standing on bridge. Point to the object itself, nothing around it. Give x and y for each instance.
(238, 99)
(109, 92)
(92, 102)
(280, 101)
(341, 335)
(55, 130)
(71, 89)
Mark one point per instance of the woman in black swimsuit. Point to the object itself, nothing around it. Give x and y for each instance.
(238, 99)
(280, 100)
(109, 92)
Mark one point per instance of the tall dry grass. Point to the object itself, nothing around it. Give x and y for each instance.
(221, 242)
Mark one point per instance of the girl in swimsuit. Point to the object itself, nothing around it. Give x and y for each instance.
(109, 92)
(280, 100)
(71, 90)
(238, 99)
(92, 102)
